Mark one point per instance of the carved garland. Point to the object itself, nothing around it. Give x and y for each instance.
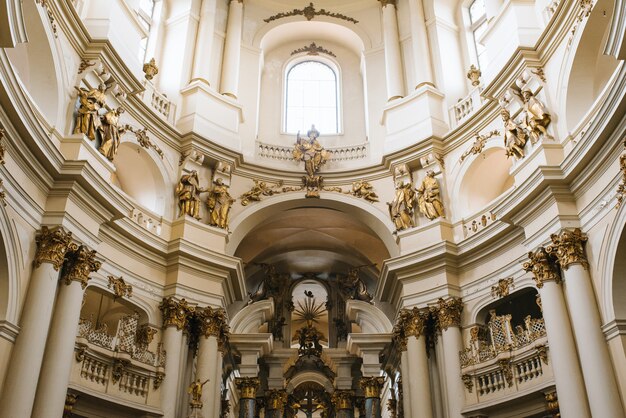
(309, 12)
(313, 49)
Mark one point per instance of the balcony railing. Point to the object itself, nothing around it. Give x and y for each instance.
(280, 152)
(465, 107)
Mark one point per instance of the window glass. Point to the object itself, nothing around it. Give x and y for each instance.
(145, 14)
(311, 98)
(478, 21)
(477, 10)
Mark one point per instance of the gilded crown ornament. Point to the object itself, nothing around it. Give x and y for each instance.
(52, 244)
(543, 267)
(372, 385)
(175, 313)
(247, 386)
(569, 248)
(79, 264)
(448, 313)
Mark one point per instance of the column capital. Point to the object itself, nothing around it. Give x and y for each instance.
(175, 313)
(80, 262)
(410, 322)
(384, 3)
(448, 313)
(372, 386)
(213, 323)
(569, 248)
(52, 244)
(276, 399)
(342, 399)
(543, 267)
(247, 386)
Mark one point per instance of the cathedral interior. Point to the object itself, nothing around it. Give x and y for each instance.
(312, 209)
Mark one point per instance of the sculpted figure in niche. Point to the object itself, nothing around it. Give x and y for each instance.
(310, 151)
(219, 203)
(514, 136)
(87, 119)
(352, 287)
(188, 191)
(429, 197)
(402, 207)
(110, 132)
(536, 119)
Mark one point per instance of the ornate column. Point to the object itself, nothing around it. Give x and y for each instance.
(213, 333)
(422, 66)
(232, 49)
(567, 374)
(343, 402)
(275, 404)
(371, 387)
(393, 57)
(449, 320)
(247, 395)
(409, 336)
(175, 316)
(55, 373)
(203, 51)
(27, 354)
(604, 399)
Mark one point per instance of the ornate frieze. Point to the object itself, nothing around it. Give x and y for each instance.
(371, 386)
(448, 313)
(120, 287)
(175, 313)
(52, 244)
(502, 288)
(621, 189)
(247, 387)
(276, 399)
(569, 248)
(309, 12)
(80, 262)
(543, 267)
(410, 322)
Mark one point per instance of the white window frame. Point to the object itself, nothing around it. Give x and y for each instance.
(149, 20)
(334, 66)
(471, 28)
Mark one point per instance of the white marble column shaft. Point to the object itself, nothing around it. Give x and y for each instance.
(452, 341)
(173, 345)
(406, 383)
(422, 65)
(419, 388)
(393, 57)
(208, 356)
(232, 49)
(203, 51)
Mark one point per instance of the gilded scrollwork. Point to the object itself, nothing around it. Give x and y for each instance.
(213, 323)
(3, 148)
(621, 189)
(309, 12)
(313, 49)
(342, 399)
(410, 323)
(52, 244)
(448, 313)
(175, 313)
(468, 381)
(543, 266)
(474, 75)
(479, 144)
(507, 370)
(569, 248)
(502, 288)
(144, 140)
(80, 262)
(120, 287)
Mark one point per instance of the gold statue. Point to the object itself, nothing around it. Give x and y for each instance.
(536, 118)
(401, 208)
(195, 390)
(87, 119)
(363, 189)
(353, 287)
(219, 203)
(310, 151)
(429, 197)
(188, 191)
(259, 189)
(110, 132)
(514, 136)
(150, 69)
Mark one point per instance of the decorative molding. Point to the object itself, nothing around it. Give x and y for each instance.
(502, 288)
(2, 147)
(479, 144)
(175, 313)
(543, 266)
(313, 49)
(142, 138)
(80, 262)
(45, 5)
(569, 248)
(448, 313)
(247, 386)
(621, 189)
(371, 386)
(309, 12)
(120, 287)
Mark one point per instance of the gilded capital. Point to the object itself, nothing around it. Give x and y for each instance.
(213, 323)
(276, 400)
(543, 267)
(448, 313)
(410, 322)
(342, 399)
(372, 386)
(80, 262)
(52, 244)
(247, 386)
(569, 248)
(175, 313)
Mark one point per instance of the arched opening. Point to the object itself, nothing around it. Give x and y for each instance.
(591, 69)
(310, 299)
(485, 180)
(139, 177)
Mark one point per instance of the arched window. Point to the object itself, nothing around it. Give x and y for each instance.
(311, 98)
(478, 26)
(145, 13)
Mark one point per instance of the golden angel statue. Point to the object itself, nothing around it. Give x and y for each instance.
(429, 197)
(110, 132)
(401, 208)
(87, 119)
(310, 151)
(195, 390)
(219, 203)
(188, 192)
(514, 136)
